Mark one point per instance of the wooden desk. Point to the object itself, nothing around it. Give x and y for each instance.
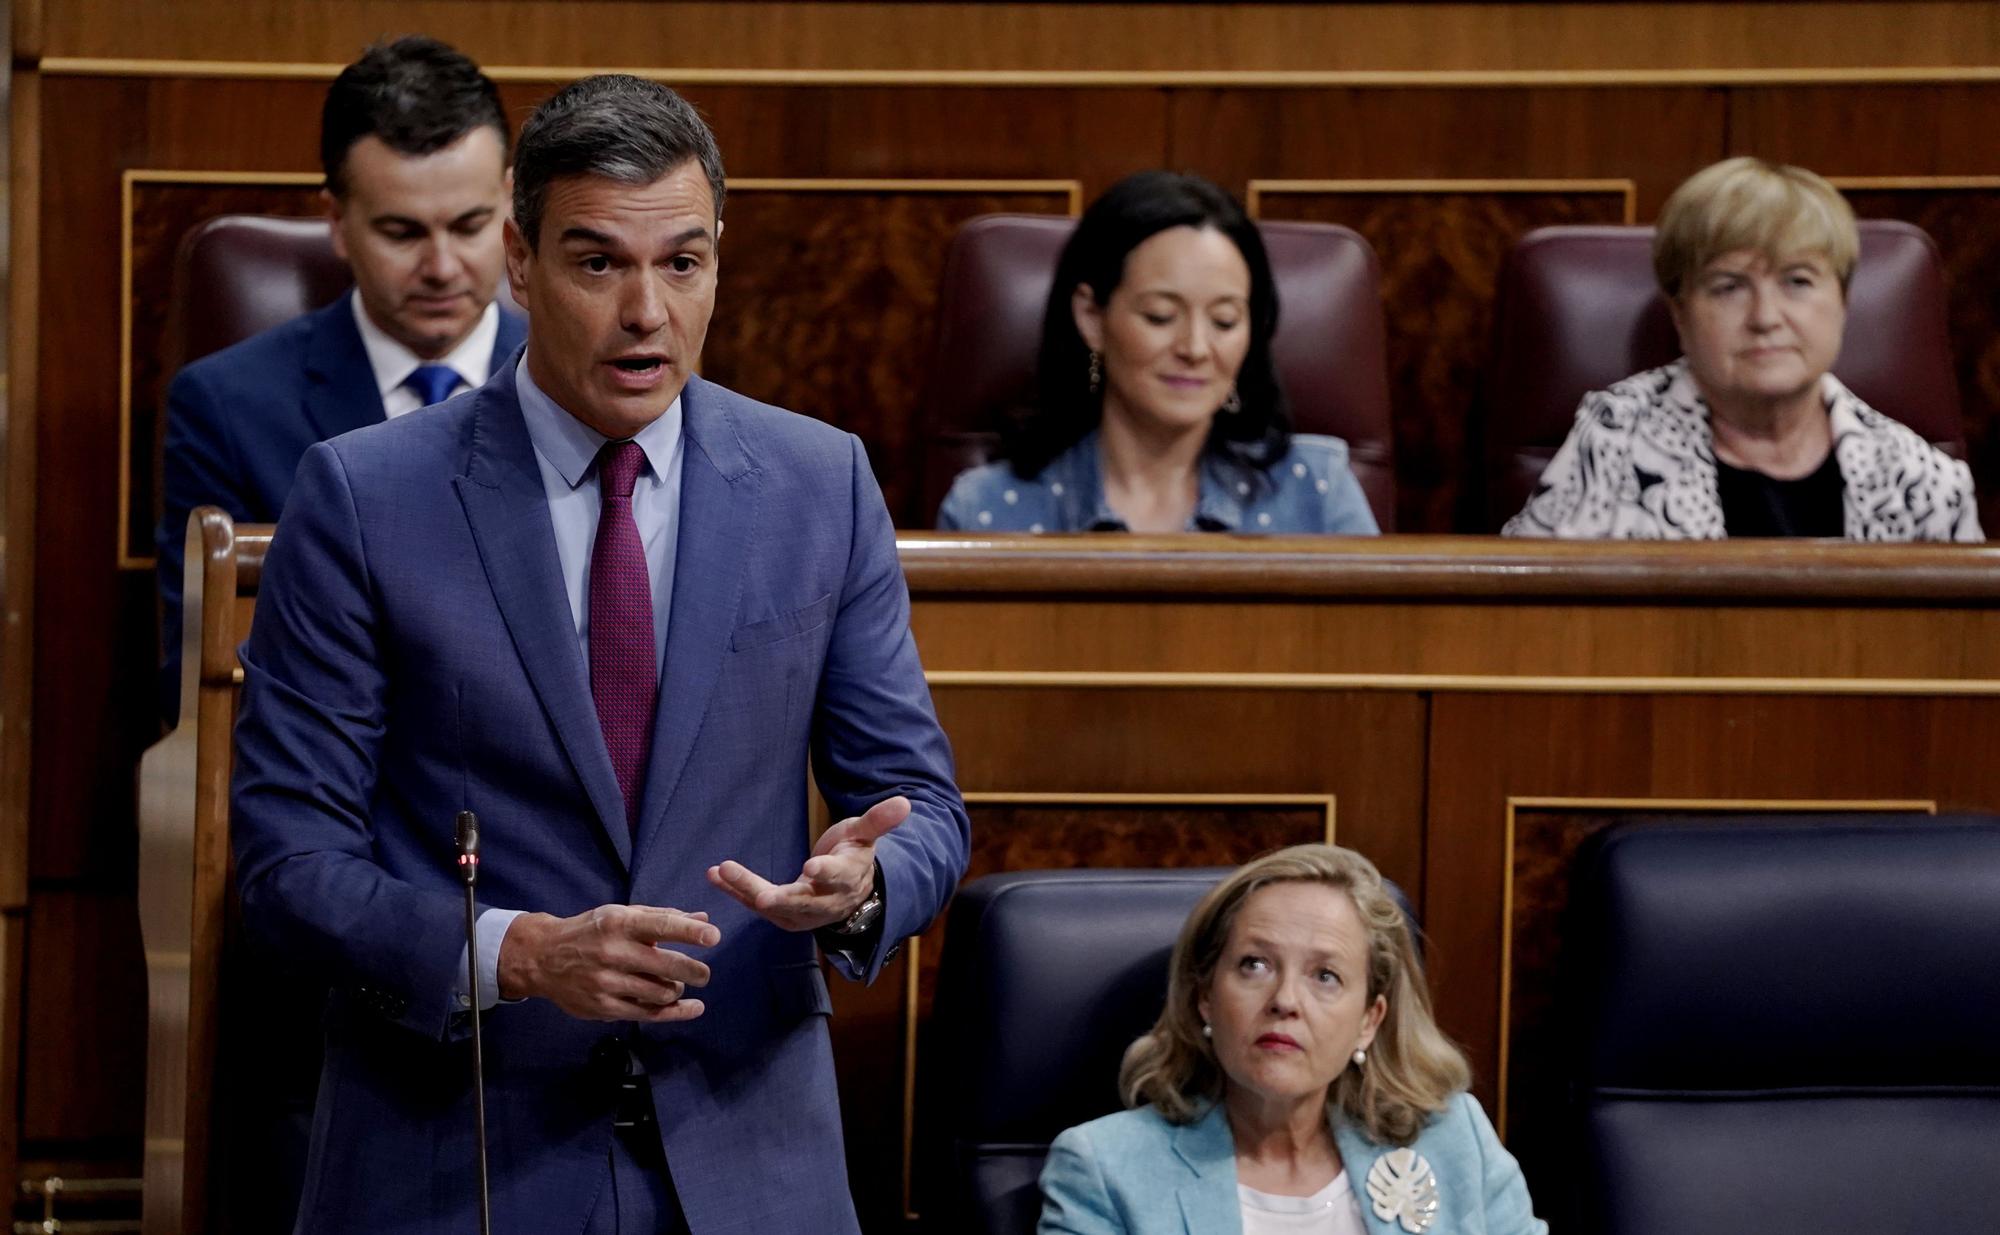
(1463, 710)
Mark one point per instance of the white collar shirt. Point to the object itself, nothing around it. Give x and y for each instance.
(393, 363)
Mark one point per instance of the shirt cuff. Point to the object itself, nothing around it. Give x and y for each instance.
(493, 924)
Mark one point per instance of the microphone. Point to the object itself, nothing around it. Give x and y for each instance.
(468, 873)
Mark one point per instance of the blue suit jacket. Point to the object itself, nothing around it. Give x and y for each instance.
(414, 655)
(239, 420)
(1134, 1173)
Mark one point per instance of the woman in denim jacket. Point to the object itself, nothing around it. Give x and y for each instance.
(1159, 407)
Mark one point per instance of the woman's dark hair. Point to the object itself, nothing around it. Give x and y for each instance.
(1131, 211)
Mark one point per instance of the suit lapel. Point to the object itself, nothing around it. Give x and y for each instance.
(508, 509)
(717, 515)
(1209, 1204)
(340, 383)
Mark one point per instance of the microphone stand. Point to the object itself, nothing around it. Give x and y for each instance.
(468, 872)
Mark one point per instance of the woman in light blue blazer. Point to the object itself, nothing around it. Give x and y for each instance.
(1295, 1081)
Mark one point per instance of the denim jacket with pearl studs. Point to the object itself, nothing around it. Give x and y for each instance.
(1310, 489)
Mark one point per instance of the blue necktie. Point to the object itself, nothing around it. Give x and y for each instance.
(432, 382)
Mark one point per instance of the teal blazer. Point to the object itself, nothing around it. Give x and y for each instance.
(1134, 1173)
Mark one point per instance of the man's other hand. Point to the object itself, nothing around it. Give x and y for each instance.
(607, 964)
(834, 881)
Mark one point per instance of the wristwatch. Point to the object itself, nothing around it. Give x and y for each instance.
(863, 918)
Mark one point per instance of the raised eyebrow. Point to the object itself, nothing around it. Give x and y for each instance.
(691, 235)
(585, 235)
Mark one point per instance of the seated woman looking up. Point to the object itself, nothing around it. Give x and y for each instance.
(1748, 434)
(1295, 1081)
(1158, 407)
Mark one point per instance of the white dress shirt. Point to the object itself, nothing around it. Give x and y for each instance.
(393, 363)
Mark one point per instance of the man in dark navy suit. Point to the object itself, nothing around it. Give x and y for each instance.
(415, 147)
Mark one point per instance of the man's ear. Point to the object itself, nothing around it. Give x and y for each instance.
(336, 212)
(1089, 316)
(518, 258)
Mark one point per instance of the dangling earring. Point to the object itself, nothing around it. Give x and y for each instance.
(1234, 403)
(1207, 1030)
(1360, 1059)
(1096, 371)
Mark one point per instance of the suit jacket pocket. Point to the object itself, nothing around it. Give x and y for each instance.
(784, 626)
(798, 990)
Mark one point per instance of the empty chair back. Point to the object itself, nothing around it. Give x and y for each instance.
(1787, 1026)
(1329, 348)
(1578, 309)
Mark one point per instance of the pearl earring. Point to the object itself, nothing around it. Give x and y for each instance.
(1360, 1059)
(1207, 1030)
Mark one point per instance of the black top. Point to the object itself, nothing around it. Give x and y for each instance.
(1754, 504)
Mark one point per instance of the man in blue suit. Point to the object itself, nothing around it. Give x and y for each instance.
(610, 608)
(414, 143)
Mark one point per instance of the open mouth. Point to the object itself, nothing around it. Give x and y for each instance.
(639, 364)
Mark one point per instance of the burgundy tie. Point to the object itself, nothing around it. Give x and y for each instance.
(624, 681)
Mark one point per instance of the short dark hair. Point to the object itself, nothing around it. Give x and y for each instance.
(1130, 212)
(418, 95)
(614, 125)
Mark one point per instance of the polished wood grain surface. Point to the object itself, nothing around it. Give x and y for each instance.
(1099, 717)
(1039, 37)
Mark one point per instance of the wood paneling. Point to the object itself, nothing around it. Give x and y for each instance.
(82, 1068)
(829, 303)
(1441, 248)
(1307, 37)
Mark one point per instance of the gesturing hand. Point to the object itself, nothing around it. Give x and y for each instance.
(606, 965)
(834, 881)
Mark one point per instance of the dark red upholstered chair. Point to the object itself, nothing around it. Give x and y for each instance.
(238, 274)
(1578, 309)
(1329, 346)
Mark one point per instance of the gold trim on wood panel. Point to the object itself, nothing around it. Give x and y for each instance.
(913, 954)
(1454, 683)
(1258, 189)
(112, 66)
(1899, 183)
(1071, 190)
(155, 175)
(1693, 805)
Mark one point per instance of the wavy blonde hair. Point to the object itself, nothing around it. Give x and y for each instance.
(1779, 211)
(1412, 1070)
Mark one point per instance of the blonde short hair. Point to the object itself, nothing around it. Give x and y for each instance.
(1412, 1070)
(1750, 203)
